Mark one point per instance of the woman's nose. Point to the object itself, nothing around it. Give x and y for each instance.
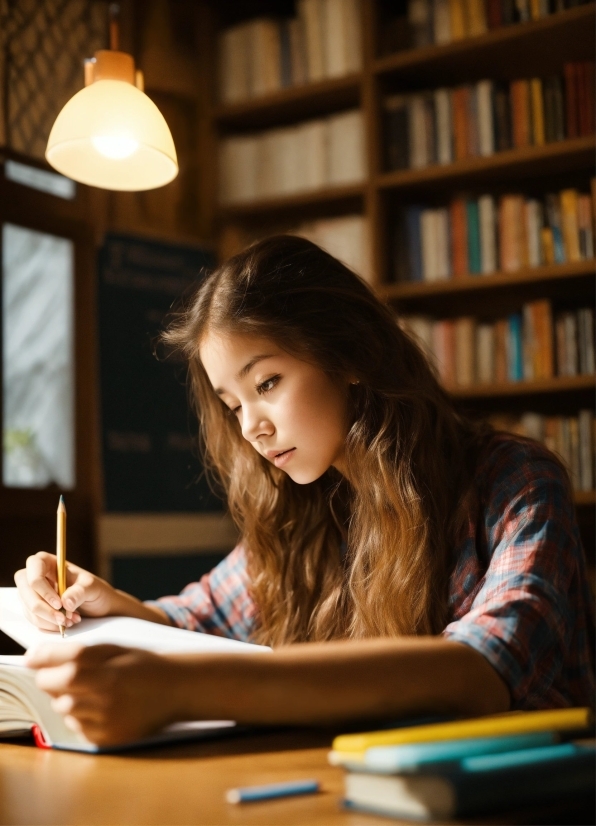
(254, 425)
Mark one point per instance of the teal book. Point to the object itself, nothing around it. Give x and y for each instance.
(410, 758)
(477, 785)
(515, 367)
(474, 254)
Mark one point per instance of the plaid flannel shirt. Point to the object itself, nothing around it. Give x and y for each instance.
(518, 593)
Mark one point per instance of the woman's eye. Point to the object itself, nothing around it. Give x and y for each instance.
(233, 411)
(267, 385)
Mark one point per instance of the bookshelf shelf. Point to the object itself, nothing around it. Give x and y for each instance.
(585, 497)
(557, 34)
(293, 104)
(560, 384)
(552, 158)
(473, 283)
(339, 198)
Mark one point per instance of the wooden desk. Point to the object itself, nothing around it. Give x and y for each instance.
(186, 785)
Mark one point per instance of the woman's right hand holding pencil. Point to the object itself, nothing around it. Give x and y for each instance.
(86, 595)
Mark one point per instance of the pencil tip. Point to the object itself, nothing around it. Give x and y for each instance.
(61, 499)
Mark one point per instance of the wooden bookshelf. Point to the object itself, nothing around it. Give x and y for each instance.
(471, 283)
(560, 384)
(556, 34)
(561, 156)
(296, 103)
(340, 199)
(585, 497)
(534, 49)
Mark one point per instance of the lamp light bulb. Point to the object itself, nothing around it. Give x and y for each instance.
(115, 147)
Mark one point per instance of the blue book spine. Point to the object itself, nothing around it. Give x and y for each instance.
(522, 757)
(558, 245)
(414, 242)
(474, 254)
(514, 348)
(388, 759)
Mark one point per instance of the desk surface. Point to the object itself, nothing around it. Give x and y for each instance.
(186, 785)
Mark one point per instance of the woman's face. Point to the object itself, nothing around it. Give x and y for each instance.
(290, 411)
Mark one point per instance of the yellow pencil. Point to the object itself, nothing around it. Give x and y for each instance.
(61, 551)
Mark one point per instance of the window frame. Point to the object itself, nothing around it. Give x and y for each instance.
(36, 210)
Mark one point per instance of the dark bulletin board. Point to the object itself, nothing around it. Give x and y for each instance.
(150, 460)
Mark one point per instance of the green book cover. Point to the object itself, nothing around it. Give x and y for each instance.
(474, 255)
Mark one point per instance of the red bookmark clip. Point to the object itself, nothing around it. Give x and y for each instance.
(40, 740)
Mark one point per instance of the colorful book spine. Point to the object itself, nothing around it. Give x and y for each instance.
(490, 726)
(480, 236)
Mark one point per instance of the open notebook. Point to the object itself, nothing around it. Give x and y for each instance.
(24, 708)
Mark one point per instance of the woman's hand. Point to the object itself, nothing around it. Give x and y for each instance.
(86, 595)
(110, 694)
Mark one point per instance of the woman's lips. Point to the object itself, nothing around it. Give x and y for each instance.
(283, 458)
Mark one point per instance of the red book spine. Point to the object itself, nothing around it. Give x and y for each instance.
(493, 14)
(589, 100)
(459, 237)
(571, 107)
(520, 112)
(460, 122)
(39, 739)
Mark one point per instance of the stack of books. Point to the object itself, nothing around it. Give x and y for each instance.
(264, 55)
(435, 22)
(571, 437)
(479, 119)
(469, 767)
(467, 351)
(293, 159)
(479, 236)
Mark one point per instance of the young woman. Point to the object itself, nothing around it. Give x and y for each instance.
(399, 558)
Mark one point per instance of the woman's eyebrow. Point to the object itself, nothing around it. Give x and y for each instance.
(250, 364)
(246, 369)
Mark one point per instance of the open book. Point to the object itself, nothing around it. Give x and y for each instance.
(24, 708)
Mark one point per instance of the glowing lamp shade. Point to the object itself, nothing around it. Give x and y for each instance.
(111, 135)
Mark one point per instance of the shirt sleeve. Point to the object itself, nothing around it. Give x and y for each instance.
(523, 617)
(220, 603)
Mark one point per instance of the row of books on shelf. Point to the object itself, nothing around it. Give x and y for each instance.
(435, 770)
(264, 55)
(479, 119)
(525, 346)
(570, 437)
(314, 154)
(479, 236)
(437, 22)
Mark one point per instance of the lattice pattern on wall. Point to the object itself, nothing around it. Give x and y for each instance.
(42, 47)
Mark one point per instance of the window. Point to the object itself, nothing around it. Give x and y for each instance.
(38, 359)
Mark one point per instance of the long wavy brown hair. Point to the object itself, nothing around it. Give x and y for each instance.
(368, 554)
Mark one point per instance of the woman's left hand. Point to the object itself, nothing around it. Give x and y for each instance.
(110, 694)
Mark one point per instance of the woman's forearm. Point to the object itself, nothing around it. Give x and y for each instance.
(333, 682)
(125, 605)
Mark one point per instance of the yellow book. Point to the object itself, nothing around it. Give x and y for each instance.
(534, 9)
(537, 111)
(570, 224)
(548, 245)
(476, 17)
(457, 20)
(352, 746)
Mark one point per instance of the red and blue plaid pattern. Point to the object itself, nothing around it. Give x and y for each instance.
(518, 594)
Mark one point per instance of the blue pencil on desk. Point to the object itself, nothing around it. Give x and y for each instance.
(272, 790)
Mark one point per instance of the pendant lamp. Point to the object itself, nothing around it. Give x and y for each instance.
(110, 134)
